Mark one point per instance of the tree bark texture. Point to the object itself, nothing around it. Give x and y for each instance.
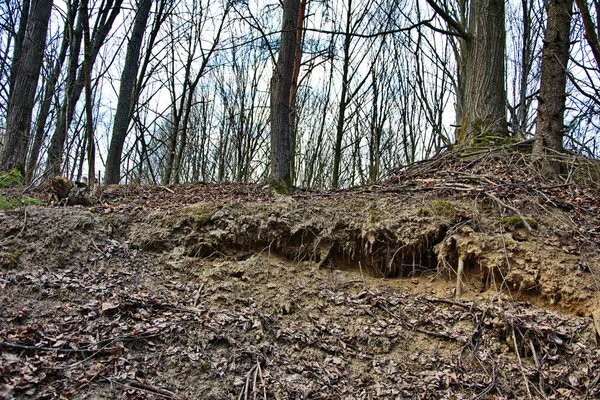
(26, 75)
(18, 43)
(124, 103)
(551, 103)
(484, 113)
(281, 87)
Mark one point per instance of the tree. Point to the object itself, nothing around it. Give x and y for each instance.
(25, 74)
(49, 92)
(281, 87)
(484, 103)
(484, 112)
(126, 95)
(551, 104)
(75, 78)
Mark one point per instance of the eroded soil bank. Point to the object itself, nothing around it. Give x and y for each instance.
(226, 291)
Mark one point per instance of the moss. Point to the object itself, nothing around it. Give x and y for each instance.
(201, 214)
(10, 178)
(9, 203)
(374, 215)
(438, 208)
(443, 208)
(514, 221)
(423, 212)
(281, 188)
(9, 259)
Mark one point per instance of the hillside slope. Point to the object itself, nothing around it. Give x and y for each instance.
(227, 291)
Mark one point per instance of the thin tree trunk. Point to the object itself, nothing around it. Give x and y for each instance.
(40, 125)
(281, 86)
(26, 75)
(18, 44)
(87, 78)
(126, 96)
(295, 86)
(339, 134)
(104, 23)
(590, 31)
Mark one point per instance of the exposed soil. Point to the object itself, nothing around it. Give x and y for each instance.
(227, 291)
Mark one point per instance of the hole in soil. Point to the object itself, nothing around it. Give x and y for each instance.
(391, 260)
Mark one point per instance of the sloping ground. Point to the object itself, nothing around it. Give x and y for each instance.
(225, 291)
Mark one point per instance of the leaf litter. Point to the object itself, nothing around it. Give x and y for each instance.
(223, 291)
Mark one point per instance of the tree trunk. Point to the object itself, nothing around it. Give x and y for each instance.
(42, 117)
(18, 44)
(281, 86)
(484, 113)
(551, 104)
(339, 134)
(124, 103)
(103, 25)
(295, 85)
(87, 78)
(26, 75)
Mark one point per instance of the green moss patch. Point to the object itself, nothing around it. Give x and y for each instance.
(515, 222)
(10, 178)
(438, 208)
(9, 203)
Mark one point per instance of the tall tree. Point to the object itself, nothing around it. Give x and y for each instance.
(124, 103)
(19, 39)
(550, 126)
(87, 78)
(50, 90)
(26, 74)
(106, 16)
(484, 103)
(281, 88)
(484, 112)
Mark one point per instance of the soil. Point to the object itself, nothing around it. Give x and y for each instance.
(228, 291)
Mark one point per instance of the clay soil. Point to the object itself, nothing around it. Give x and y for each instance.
(231, 292)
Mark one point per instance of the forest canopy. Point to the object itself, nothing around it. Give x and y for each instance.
(329, 93)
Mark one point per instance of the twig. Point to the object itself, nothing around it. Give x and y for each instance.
(459, 273)
(262, 381)
(159, 391)
(521, 363)
(515, 210)
(167, 189)
(57, 349)
(133, 385)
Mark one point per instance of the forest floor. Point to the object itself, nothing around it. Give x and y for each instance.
(229, 292)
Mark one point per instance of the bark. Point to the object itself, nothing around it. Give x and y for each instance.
(551, 103)
(484, 113)
(281, 87)
(18, 43)
(124, 103)
(26, 77)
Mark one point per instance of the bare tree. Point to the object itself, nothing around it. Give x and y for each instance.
(126, 95)
(281, 87)
(25, 74)
(105, 18)
(550, 120)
